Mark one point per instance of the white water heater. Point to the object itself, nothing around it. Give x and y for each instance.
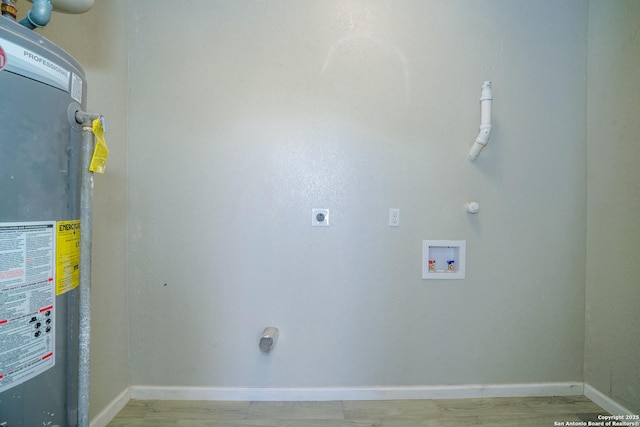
(41, 88)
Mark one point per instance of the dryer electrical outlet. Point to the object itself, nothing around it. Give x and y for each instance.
(320, 217)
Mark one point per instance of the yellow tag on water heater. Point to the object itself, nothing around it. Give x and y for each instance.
(67, 256)
(101, 152)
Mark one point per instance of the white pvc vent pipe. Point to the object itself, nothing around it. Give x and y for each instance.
(485, 121)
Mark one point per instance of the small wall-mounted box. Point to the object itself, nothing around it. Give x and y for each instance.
(443, 259)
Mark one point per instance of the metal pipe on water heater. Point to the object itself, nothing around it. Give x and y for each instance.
(39, 15)
(86, 219)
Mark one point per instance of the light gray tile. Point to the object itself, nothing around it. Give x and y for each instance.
(121, 421)
(439, 422)
(562, 404)
(483, 407)
(534, 420)
(197, 410)
(226, 423)
(391, 409)
(136, 408)
(325, 423)
(332, 410)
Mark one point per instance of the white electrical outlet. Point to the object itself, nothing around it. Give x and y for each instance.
(394, 217)
(320, 217)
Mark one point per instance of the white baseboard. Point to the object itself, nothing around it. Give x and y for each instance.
(356, 393)
(605, 402)
(111, 410)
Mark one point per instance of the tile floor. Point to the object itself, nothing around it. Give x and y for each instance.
(495, 412)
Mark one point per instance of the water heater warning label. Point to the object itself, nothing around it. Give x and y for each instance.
(67, 256)
(27, 297)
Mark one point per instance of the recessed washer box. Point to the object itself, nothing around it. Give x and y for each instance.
(443, 259)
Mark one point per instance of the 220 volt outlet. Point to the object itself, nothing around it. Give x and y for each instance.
(320, 217)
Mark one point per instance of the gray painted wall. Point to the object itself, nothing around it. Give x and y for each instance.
(249, 114)
(242, 122)
(99, 41)
(612, 361)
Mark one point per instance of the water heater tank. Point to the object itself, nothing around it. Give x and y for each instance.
(41, 87)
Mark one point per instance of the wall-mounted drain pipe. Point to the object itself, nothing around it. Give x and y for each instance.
(268, 339)
(86, 219)
(485, 121)
(39, 15)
